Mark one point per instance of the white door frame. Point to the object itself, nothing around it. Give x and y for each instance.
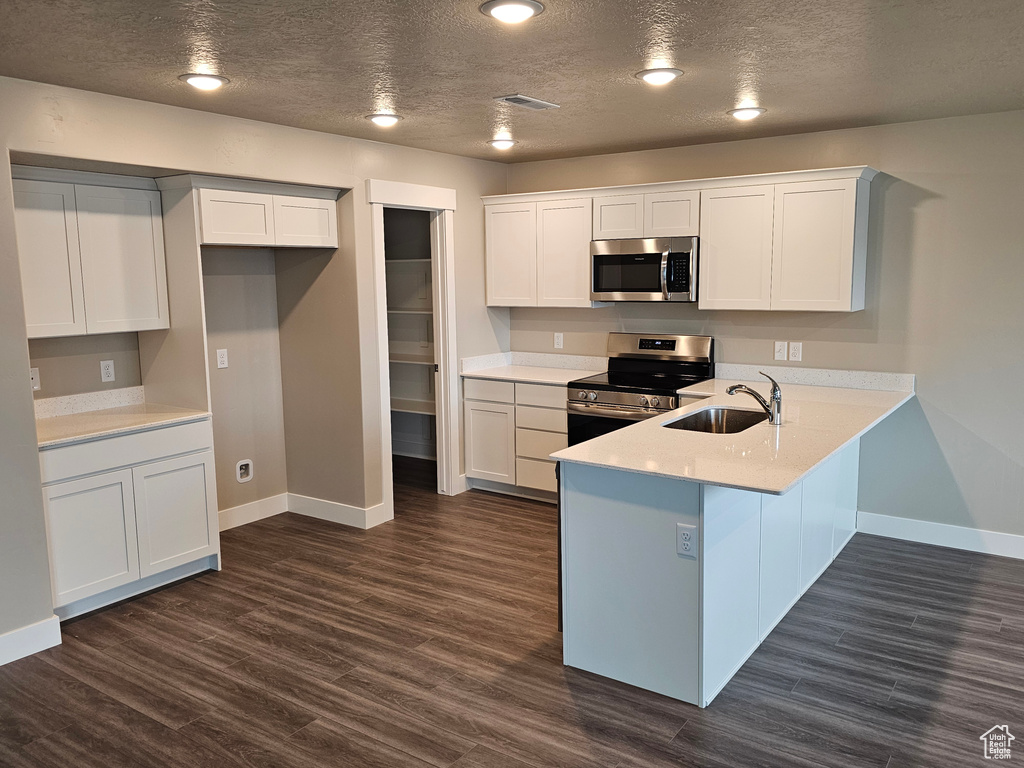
(441, 202)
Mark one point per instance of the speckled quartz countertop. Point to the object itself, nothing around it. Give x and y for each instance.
(530, 374)
(81, 427)
(816, 423)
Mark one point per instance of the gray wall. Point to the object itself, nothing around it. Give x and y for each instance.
(71, 365)
(945, 293)
(240, 289)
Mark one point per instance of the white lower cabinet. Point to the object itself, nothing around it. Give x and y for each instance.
(491, 441)
(92, 535)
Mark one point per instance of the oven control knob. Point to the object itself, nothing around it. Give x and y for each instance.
(655, 402)
(581, 395)
(592, 395)
(643, 401)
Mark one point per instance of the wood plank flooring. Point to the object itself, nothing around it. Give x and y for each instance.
(431, 641)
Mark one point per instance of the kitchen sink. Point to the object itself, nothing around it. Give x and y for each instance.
(719, 421)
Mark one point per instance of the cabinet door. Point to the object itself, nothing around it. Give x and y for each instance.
(51, 268)
(91, 530)
(511, 230)
(236, 218)
(123, 271)
(736, 248)
(176, 508)
(490, 441)
(563, 253)
(618, 217)
(305, 222)
(671, 214)
(813, 249)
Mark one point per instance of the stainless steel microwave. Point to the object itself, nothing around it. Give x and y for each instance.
(653, 269)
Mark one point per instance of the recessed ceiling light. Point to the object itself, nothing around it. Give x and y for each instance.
(384, 120)
(502, 143)
(512, 11)
(204, 82)
(659, 76)
(747, 113)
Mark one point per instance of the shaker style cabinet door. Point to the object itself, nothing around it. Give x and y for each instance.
(813, 250)
(490, 441)
(176, 508)
(563, 253)
(736, 248)
(618, 217)
(123, 269)
(305, 221)
(236, 218)
(511, 248)
(46, 226)
(671, 214)
(90, 526)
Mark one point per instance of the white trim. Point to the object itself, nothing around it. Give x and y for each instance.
(62, 176)
(785, 177)
(519, 491)
(942, 535)
(24, 641)
(819, 377)
(253, 511)
(196, 181)
(335, 512)
(400, 194)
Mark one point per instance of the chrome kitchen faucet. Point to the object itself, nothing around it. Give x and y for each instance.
(773, 408)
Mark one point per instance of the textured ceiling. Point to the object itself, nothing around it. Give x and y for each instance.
(324, 64)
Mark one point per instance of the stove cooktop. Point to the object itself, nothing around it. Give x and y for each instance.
(640, 383)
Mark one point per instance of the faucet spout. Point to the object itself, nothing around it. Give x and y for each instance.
(772, 406)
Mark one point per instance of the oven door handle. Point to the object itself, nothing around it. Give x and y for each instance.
(604, 411)
(664, 276)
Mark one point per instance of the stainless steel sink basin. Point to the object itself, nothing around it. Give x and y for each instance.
(719, 421)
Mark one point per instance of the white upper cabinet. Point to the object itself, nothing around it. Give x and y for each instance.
(818, 258)
(46, 225)
(234, 217)
(563, 253)
(619, 217)
(511, 254)
(92, 258)
(671, 214)
(736, 248)
(123, 270)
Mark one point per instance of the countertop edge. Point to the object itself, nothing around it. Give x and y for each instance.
(121, 431)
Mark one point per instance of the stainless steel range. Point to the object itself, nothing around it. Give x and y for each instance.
(645, 373)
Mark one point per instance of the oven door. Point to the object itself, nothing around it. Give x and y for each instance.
(654, 269)
(589, 421)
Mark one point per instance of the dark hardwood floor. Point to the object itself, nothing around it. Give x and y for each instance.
(431, 641)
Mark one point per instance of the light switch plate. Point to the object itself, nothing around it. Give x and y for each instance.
(222, 358)
(781, 351)
(686, 540)
(558, 341)
(33, 374)
(796, 351)
(107, 370)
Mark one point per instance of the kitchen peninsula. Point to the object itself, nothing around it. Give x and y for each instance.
(682, 550)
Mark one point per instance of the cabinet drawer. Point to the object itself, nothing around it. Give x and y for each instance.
(124, 451)
(485, 389)
(536, 474)
(544, 395)
(547, 419)
(534, 444)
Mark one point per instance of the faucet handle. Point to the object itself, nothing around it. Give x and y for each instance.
(776, 389)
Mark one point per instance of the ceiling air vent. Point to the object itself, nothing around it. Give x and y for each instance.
(526, 102)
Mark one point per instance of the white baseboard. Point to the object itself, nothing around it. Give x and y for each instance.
(336, 512)
(253, 511)
(942, 535)
(22, 642)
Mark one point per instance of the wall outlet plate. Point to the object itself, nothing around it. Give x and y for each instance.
(686, 541)
(781, 351)
(796, 351)
(558, 341)
(222, 358)
(107, 370)
(244, 471)
(33, 375)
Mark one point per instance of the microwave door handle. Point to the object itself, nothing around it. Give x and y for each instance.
(665, 275)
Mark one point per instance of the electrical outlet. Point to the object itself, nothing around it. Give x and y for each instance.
(796, 351)
(781, 352)
(686, 540)
(244, 471)
(558, 341)
(222, 358)
(106, 370)
(33, 375)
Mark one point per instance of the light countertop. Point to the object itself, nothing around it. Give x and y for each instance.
(816, 423)
(530, 374)
(91, 425)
